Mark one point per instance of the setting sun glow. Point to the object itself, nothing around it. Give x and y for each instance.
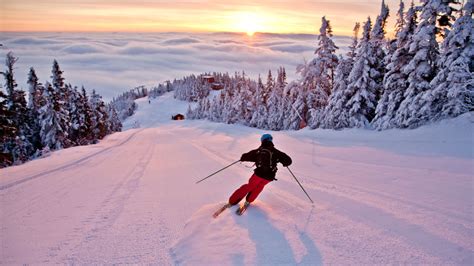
(248, 22)
(297, 16)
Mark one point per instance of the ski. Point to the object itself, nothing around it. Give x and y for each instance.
(242, 208)
(221, 209)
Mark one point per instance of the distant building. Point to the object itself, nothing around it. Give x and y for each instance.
(217, 86)
(211, 80)
(177, 117)
(208, 78)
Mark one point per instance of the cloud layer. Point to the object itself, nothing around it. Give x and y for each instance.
(115, 62)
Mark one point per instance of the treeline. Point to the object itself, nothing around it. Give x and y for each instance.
(125, 105)
(422, 75)
(56, 116)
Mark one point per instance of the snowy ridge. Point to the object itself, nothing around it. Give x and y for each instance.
(391, 197)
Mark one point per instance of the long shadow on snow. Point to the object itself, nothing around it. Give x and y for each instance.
(272, 246)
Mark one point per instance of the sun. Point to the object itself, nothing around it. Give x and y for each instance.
(248, 22)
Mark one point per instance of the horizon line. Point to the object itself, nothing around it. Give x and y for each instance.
(169, 32)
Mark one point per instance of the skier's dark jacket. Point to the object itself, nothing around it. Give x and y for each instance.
(277, 157)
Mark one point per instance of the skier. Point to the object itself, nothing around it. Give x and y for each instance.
(266, 158)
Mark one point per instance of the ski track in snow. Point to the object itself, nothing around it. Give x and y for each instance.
(75, 163)
(132, 199)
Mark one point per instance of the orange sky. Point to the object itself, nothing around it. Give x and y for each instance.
(277, 16)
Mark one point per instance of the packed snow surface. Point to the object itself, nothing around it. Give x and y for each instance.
(390, 197)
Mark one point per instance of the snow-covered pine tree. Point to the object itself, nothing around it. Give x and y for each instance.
(61, 103)
(189, 112)
(54, 134)
(8, 131)
(295, 107)
(36, 101)
(259, 116)
(234, 102)
(422, 68)
(250, 105)
(318, 75)
(114, 124)
(60, 86)
(21, 147)
(84, 110)
(10, 83)
(74, 114)
(396, 81)
(100, 117)
(215, 113)
(400, 23)
(202, 111)
(275, 118)
(453, 86)
(378, 44)
(274, 102)
(335, 113)
(288, 99)
(227, 115)
(362, 84)
(351, 54)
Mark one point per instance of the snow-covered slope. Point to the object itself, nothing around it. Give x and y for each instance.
(398, 196)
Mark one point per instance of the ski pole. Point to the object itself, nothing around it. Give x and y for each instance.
(299, 184)
(217, 171)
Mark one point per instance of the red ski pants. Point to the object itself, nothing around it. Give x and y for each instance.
(250, 190)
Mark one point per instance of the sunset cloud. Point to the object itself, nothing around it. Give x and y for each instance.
(283, 16)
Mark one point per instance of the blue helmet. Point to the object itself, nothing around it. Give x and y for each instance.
(266, 137)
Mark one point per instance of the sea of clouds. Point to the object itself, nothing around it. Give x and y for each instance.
(112, 63)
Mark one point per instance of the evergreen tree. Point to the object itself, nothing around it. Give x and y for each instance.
(318, 75)
(336, 113)
(396, 81)
(298, 108)
(259, 116)
(422, 68)
(250, 105)
(400, 23)
(378, 44)
(74, 115)
(274, 102)
(20, 148)
(84, 120)
(53, 119)
(453, 86)
(10, 83)
(61, 103)
(8, 131)
(114, 122)
(35, 103)
(353, 47)
(275, 118)
(362, 84)
(100, 117)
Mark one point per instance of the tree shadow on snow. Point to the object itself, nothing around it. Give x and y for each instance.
(272, 247)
